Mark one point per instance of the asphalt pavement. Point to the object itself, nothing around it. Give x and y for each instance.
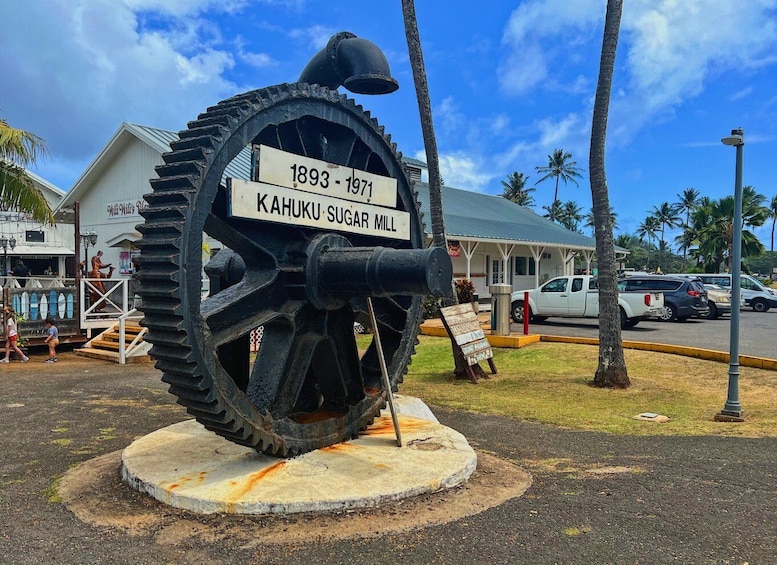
(757, 332)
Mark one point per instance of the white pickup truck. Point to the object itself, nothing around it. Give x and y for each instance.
(577, 296)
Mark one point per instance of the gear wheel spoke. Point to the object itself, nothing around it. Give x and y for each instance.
(308, 386)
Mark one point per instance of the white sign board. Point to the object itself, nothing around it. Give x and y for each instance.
(262, 201)
(311, 175)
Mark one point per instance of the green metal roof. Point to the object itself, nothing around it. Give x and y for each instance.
(474, 215)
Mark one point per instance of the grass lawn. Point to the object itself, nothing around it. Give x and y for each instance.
(549, 383)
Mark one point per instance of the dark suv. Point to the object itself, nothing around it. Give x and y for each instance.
(683, 298)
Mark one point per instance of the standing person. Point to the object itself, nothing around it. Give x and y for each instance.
(21, 271)
(95, 273)
(12, 337)
(52, 339)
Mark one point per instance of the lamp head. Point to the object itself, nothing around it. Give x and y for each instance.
(12, 242)
(737, 137)
(3, 242)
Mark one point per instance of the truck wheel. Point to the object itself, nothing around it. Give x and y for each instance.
(624, 320)
(759, 305)
(632, 322)
(516, 311)
(713, 313)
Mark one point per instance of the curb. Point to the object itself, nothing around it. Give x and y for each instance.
(515, 341)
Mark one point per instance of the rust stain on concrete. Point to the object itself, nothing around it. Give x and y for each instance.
(241, 489)
(385, 425)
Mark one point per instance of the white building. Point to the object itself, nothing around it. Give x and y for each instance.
(42, 248)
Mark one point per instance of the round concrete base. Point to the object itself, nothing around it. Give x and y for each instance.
(186, 466)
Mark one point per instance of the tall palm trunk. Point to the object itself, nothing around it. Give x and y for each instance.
(433, 162)
(612, 364)
(553, 207)
(427, 126)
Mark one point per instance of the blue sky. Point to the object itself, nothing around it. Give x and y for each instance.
(510, 81)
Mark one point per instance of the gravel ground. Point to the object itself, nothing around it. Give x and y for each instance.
(595, 498)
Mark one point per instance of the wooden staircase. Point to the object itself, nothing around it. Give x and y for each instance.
(106, 345)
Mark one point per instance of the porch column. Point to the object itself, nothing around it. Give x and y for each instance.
(469, 252)
(568, 255)
(589, 255)
(505, 252)
(536, 253)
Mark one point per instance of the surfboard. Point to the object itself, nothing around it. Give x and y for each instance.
(44, 306)
(53, 303)
(33, 306)
(25, 305)
(17, 303)
(69, 306)
(60, 305)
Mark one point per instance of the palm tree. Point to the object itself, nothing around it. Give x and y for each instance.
(667, 216)
(561, 167)
(754, 213)
(552, 211)
(430, 144)
(515, 189)
(688, 200)
(717, 236)
(20, 149)
(611, 371)
(570, 215)
(648, 229)
(590, 220)
(773, 216)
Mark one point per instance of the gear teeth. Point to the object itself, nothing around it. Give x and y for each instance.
(167, 249)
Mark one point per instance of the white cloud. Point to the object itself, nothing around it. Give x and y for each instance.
(317, 35)
(461, 171)
(258, 60)
(668, 49)
(529, 36)
(744, 93)
(95, 65)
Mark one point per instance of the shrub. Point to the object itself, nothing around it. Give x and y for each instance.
(465, 291)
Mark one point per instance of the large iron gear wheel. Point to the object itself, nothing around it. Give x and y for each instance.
(309, 386)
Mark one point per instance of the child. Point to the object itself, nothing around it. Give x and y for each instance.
(52, 338)
(12, 337)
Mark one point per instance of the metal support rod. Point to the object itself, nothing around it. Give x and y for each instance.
(732, 410)
(384, 372)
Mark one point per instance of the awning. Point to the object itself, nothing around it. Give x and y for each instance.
(39, 251)
(128, 237)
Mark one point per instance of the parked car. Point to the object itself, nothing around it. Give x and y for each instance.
(683, 298)
(719, 301)
(577, 296)
(756, 295)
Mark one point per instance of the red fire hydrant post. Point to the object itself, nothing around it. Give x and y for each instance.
(526, 313)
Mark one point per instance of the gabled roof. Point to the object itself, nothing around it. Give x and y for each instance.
(471, 215)
(52, 194)
(156, 138)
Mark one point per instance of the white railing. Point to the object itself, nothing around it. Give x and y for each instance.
(125, 350)
(112, 301)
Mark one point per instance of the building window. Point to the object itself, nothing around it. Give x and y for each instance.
(520, 266)
(34, 236)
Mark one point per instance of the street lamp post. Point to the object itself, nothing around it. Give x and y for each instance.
(732, 410)
(5, 243)
(88, 239)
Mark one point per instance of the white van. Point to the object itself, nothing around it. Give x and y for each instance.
(756, 295)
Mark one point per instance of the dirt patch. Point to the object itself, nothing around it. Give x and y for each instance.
(94, 492)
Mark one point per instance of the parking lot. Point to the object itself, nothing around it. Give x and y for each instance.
(757, 332)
